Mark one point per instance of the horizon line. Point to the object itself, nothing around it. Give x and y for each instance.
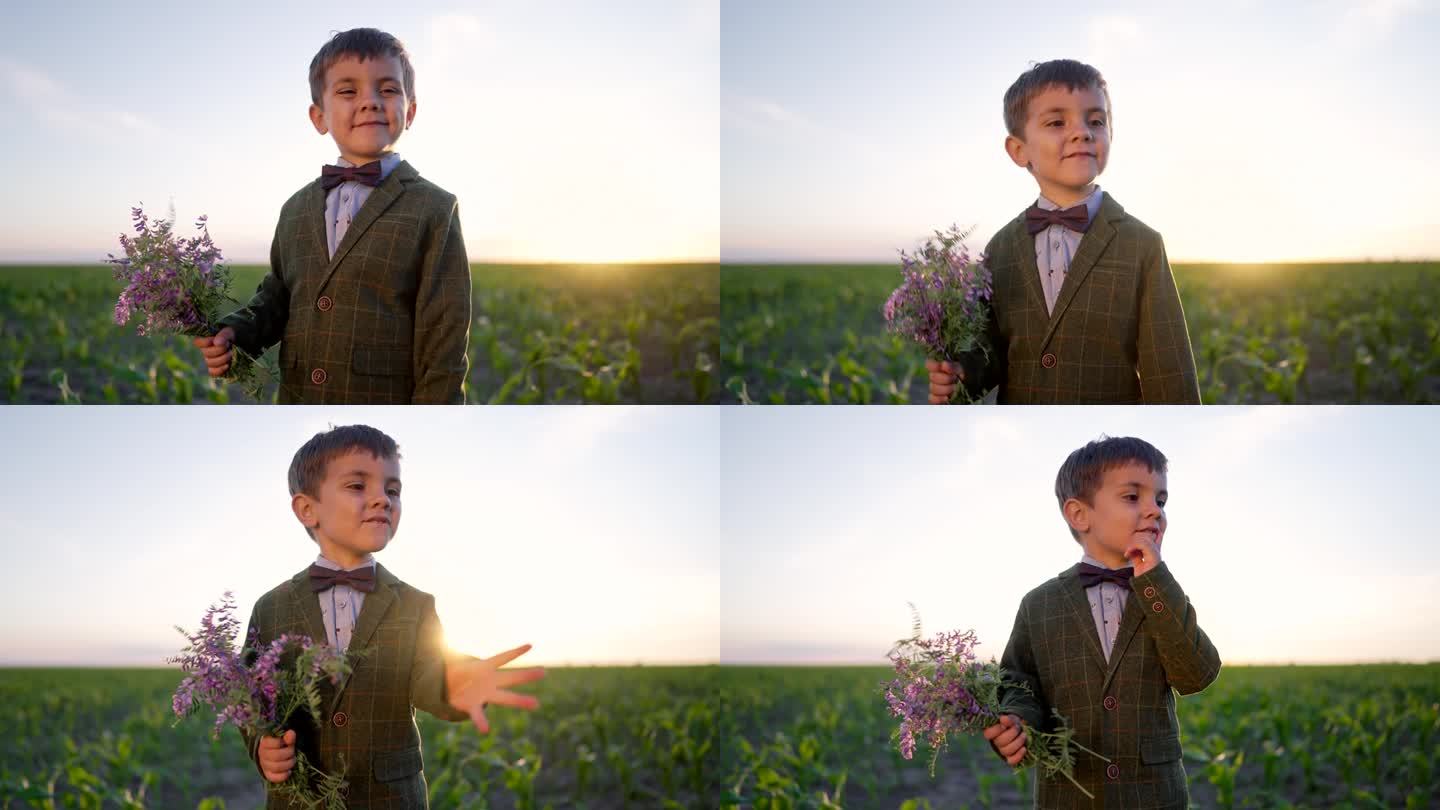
(1173, 262)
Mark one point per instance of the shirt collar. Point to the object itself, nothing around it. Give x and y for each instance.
(326, 562)
(387, 163)
(1092, 203)
(1086, 558)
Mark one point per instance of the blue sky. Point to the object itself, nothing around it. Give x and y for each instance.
(1300, 534)
(592, 533)
(569, 130)
(1243, 131)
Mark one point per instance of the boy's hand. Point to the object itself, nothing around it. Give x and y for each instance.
(217, 350)
(277, 756)
(1007, 738)
(944, 377)
(1144, 554)
(473, 684)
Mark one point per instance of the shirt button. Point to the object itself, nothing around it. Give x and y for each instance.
(318, 377)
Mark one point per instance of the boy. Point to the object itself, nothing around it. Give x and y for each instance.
(1084, 309)
(369, 285)
(345, 490)
(1106, 641)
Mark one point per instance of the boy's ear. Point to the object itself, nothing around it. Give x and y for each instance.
(410, 114)
(1015, 148)
(317, 117)
(1077, 514)
(304, 508)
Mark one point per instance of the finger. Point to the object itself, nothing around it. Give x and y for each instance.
(512, 677)
(477, 716)
(224, 336)
(941, 378)
(509, 655)
(1007, 719)
(290, 737)
(993, 731)
(1016, 757)
(932, 366)
(202, 341)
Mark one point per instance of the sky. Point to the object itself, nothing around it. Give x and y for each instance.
(592, 533)
(570, 131)
(1299, 534)
(1243, 131)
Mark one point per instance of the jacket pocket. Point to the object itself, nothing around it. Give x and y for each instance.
(390, 361)
(393, 765)
(1157, 750)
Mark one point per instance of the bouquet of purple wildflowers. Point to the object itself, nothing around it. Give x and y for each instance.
(943, 301)
(257, 699)
(940, 688)
(178, 286)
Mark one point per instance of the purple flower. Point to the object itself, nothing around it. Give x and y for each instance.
(942, 302)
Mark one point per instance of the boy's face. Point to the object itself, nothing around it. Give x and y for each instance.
(1129, 505)
(358, 510)
(1066, 144)
(358, 94)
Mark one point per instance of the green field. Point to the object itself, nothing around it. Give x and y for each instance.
(1271, 737)
(541, 333)
(602, 738)
(1283, 333)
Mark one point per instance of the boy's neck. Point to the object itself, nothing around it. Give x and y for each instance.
(346, 560)
(1065, 198)
(1108, 559)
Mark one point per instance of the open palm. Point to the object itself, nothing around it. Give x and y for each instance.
(473, 684)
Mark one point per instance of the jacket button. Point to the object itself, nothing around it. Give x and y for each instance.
(318, 376)
(1111, 702)
(1048, 361)
(340, 719)
(1149, 591)
(1113, 771)
(1158, 606)
(324, 304)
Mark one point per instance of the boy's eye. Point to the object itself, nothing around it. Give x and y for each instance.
(394, 493)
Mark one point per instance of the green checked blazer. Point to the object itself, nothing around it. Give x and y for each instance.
(369, 719)
(1125, 709)
(1117, 334)
(384, 322)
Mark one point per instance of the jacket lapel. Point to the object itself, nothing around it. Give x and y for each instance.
(1092, 247)
(307, 605)
(1024, 247)
(377, 604)
(1130, 619)
(380, 199)
(1080, 612)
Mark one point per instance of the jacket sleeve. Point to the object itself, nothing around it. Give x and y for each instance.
(427, 675)
(442, 315)
(1167, 362)
(1190, 661)
(261, 322)
(1017, 665)
(252, 741)
(986, 370)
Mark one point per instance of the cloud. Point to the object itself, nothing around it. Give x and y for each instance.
(765, 118)
(53, 102)
(1369, 21)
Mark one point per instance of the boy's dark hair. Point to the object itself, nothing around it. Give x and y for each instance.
(361, 43)
(307, 469)
(1068, 73)
(1084, 470)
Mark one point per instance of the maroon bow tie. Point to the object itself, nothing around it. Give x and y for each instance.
(1037, 219)
(361, 579)
(1094, 575)
(332, 176)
